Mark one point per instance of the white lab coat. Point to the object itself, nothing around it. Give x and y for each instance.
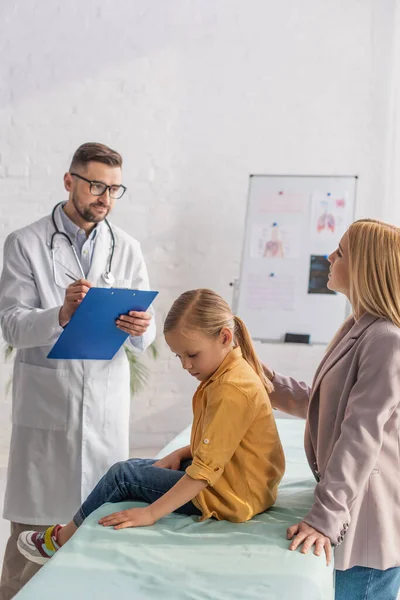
(70, 419)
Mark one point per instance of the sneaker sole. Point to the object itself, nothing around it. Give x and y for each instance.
(38, 560)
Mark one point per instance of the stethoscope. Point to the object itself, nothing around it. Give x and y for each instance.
(107, 275)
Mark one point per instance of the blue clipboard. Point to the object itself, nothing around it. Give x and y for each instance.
(92, 333)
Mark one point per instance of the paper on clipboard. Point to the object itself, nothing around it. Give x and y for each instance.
(92, 333)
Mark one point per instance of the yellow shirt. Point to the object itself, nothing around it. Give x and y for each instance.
(235, 443)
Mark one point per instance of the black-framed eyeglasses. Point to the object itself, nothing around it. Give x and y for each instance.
(98, 188)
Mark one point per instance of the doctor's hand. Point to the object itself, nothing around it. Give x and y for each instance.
(74, 294)
(308, 536)
(135, 323)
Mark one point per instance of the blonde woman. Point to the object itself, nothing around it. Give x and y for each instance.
(235, 461)
(353, 421)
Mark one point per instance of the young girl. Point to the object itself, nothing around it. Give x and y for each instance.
(235, 461)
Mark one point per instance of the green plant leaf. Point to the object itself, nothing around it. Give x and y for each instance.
(8, 386)
(8, 354)
(8, 351)
(139, 373)
(153, 350)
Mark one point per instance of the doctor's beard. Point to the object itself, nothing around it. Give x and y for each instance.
(88, 212)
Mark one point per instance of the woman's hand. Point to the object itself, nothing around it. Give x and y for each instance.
(133, 517)
(171, 461)
(308, 536)
(269, 374)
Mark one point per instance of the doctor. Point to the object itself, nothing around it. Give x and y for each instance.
(70, 419)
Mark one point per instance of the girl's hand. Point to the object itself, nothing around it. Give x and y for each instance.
(171, 461)
(308, 536)
(133, 517)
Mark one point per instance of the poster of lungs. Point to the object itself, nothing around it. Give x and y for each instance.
(328, 219)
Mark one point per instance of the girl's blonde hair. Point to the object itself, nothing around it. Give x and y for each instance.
(209, 313)
(374, 269)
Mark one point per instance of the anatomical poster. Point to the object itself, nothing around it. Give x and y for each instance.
(328, 217)
(276, 239)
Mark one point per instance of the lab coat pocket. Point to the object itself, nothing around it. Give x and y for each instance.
(40, 397)
(123, 283)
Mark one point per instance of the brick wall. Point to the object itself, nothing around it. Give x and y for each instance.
(196, 94)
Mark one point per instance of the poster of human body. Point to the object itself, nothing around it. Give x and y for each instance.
(276, 240)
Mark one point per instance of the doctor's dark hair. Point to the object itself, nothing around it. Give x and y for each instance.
(93, 152)
(207, 312)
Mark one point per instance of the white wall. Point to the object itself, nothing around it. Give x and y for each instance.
(392, 199)
(196, 94)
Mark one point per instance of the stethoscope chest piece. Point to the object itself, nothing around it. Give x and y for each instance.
(108, 278)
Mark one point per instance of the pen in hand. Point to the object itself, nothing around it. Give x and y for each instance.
(70, 276)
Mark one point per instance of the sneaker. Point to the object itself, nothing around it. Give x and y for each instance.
(39, 547)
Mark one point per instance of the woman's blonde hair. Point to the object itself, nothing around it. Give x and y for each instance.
(209, 313)
(374, 269)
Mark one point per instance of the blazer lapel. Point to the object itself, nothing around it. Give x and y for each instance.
(347, 339)
(347, 325)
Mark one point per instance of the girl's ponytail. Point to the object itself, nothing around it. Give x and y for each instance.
(243, 339)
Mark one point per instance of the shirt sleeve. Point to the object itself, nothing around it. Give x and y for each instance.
(141, 282)
(228, 415)
(24, 324)
(372, 401)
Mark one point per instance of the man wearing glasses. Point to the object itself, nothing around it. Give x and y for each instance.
(70, 418)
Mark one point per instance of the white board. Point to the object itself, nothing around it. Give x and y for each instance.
(293, 223)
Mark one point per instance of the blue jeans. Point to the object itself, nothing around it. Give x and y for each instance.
(363, 583)
(134, 479)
